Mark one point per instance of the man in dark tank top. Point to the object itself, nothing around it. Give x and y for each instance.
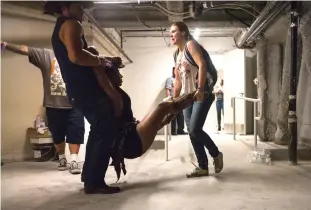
(84, 92)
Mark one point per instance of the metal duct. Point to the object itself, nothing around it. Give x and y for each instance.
(245, 39)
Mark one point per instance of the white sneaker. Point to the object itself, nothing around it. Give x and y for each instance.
(168, 98)
(62, 166)
(74, 168)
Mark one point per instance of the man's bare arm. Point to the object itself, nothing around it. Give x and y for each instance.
(19, 49)
(105, 83)
(198, 57)
(71, 35)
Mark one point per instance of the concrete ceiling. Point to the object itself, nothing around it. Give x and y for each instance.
(153, 18)
(217, 18)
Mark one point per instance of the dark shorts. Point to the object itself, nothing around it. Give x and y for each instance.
(132, 144)
(66, 125)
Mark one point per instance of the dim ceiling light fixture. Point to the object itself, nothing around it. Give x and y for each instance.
(116, 2)
(196, 34)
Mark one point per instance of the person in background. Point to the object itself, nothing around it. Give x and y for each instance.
(101, 107)
(65, 123)
(185, 83)
(219, 93)
(179, 120)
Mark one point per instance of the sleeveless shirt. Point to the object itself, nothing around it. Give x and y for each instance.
(81, 82)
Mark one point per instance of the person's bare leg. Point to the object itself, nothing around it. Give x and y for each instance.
(147, 129)
(74, 148)
(60, 149)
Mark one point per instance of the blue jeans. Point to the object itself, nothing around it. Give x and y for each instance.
(102, 133)
(195, 117)
(219, 109)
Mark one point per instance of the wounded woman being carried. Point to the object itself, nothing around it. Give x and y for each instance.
(134, 137)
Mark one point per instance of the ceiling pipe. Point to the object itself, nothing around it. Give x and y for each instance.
(246, 38)
(92, 19)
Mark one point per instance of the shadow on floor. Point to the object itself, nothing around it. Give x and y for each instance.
(158, 144)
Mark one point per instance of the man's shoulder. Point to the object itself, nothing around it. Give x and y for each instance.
(72, 23)
(49, 51)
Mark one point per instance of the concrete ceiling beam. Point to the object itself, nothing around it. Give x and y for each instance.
(166, 24)
(176, 7)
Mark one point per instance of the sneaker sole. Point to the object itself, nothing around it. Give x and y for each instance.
(198, 176)
(75, 172)
(62, 169)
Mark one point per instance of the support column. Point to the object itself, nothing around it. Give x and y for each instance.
(292, 120)
(303, 102)
(261, 47)
(273, 79)
(282, 133)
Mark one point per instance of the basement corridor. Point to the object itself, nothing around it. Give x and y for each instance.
(153, 184)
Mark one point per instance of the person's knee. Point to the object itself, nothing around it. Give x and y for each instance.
(195, 132)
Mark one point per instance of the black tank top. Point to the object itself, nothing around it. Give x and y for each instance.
(127, 114)
(81, 82)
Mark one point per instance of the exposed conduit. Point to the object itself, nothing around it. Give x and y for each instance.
(92, 19)
(246, 38)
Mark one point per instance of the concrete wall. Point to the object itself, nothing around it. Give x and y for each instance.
(250, 88)
(21, 82)
(153, 61)
(304, 86)
(234, 74)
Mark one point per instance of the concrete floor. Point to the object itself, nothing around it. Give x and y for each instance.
(154, 184)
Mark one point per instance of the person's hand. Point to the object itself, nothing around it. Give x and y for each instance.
(118, 104)
(3, 45)
(115, 59)
(104, 62)
(199, 95)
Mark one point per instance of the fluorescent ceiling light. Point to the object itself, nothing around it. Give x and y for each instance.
(196, 34)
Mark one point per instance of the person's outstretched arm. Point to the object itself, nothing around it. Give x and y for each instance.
(71, 35)
(19, 49)
(37, 56)
(177, 84)
(196, 53)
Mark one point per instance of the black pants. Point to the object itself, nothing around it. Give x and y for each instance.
(66, 125)
(180, 122)
(102, 133)
(219, 109)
